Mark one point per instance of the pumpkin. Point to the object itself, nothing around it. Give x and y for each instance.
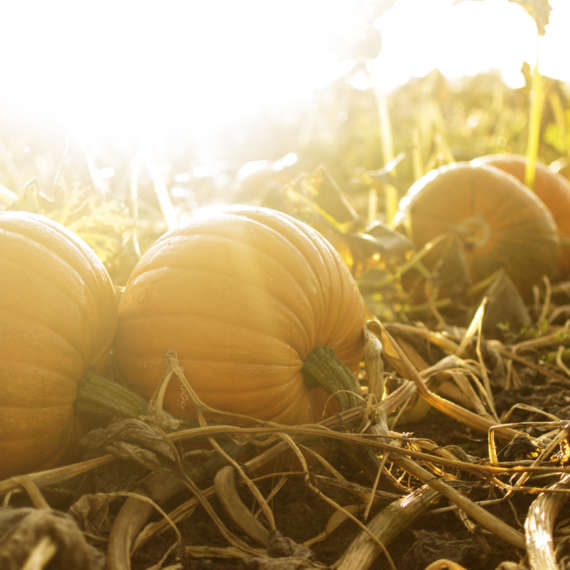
(552, 188)
(58, 315)
(249, 298)
(499, 221)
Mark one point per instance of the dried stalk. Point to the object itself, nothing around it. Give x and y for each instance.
(445, 406)
(339, 508)
(476, 512)
(54, 476)
(160, 486)
(386, 526)
(539, 525)
(226, 491)
(41, 555)
(133, 515)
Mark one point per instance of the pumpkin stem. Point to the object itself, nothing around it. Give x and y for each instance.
(99, 396)
(323, 368)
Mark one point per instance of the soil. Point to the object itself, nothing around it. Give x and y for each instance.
(441, 532)
(305, 508)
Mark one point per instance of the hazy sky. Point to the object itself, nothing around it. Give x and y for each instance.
(116, 66)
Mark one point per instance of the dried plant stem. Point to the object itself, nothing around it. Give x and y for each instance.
(485, 519)
(483, 368)
(476, 512)
(549, 448)
(374, 365)
(177, 514)
(232, 538)
(434, 338)
(417, 159)
(539, 525)
(35, 494)
(446, 406)
(225, 479)
(258, 462)
(132, 517)
(53, 476)
(554, 338)
(226, 552)
(533, 365)
(535, 116)
(332, 502)
(41, 555)
(160, 486)
(560, 362)
(386, 526)
(61, 474)
(546, 308)
(134, 200)
(226, 491)
(391, 193)
(162, 194)
(348, 418)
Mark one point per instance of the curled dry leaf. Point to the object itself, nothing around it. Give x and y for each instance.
(506, 309)
(132, 439)
(92, 512)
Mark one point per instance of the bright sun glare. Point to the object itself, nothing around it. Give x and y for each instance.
(143, 69)
(116, 67)
(465, 38)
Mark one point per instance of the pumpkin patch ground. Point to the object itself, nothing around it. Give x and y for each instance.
(309, 354)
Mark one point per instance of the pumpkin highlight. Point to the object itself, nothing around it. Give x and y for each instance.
(57, 316)
(243, 296)
(499, 221)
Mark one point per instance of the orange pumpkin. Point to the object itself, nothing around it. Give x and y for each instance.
(243, 296)
(500, 222)
(57, 316)
(552, 188)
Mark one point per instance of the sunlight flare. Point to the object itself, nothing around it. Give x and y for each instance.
(147, 71)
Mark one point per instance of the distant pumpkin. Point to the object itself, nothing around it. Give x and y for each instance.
(500, 222)
(57, 316)
(552, 188)
(244, 296)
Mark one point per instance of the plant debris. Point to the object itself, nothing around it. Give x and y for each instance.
(467, 455)
(36, 538)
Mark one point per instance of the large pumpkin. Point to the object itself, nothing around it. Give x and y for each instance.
(552, 188)
(244, 296)
(57, 316)
(500, 222)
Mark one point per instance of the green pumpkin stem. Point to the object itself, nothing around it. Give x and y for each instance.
(323, 368)
(99, 396)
